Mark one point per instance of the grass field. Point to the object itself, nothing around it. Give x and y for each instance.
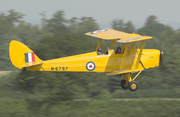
(92, 108)
(4, 72)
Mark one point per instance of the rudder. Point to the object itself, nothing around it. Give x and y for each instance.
(21, 56)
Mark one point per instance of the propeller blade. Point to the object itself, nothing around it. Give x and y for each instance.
(161, 60)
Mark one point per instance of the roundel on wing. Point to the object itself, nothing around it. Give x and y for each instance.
(90, 66)
(98, 31)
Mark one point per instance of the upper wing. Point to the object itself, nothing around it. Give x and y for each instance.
(110, 34)
(107, 34)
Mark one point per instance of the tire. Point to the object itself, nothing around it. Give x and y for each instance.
(124, 85)
(133, 86)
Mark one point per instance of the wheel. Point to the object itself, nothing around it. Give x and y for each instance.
(133, 86)
(124, 85)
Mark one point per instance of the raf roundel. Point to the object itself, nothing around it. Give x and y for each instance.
(90, 66)
(98, 31)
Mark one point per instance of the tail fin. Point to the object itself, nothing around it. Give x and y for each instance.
(21, 56)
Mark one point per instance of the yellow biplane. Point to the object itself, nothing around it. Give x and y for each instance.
(131, 59)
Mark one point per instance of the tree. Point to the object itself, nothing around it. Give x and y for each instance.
(29, 33)
(57, 23)
(83, 25)
(118, 24)
(43, 19)
(13, 16)
(121, 26)
(73, 24)
(173, 65)
(152, 30)
(6, 35)
(151, 20)
(129, 28)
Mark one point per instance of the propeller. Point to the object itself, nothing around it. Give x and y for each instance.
(161, 59)
(161, 55)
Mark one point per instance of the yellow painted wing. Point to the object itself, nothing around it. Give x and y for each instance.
(124, 71)
(133, 39)
(110, 34)
(107, 34)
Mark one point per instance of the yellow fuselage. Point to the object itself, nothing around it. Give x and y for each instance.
(102, 63)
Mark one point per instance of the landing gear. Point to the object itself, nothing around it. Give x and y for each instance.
(124, 84)
(128, 82)
(133, 86)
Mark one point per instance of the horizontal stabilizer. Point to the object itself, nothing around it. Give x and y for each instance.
(31, 64)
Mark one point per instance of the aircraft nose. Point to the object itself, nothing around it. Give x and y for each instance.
(161, 58)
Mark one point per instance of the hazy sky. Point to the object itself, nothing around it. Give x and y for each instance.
(104, 11)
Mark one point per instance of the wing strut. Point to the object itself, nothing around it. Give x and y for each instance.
(124, 56)
(113, 42)
(99, 44)
(140, 53)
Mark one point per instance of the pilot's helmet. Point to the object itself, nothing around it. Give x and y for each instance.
(118, 48)
(99, 49)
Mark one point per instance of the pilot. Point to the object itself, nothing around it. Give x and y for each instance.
(99, 51)
(118, 50)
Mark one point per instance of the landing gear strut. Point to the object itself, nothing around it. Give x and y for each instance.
(128, 82)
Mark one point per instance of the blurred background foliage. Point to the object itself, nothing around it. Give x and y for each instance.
(50, 93)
